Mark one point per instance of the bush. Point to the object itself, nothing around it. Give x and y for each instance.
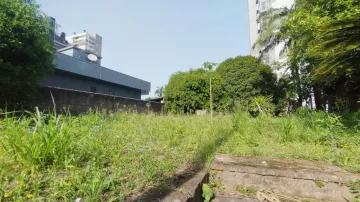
(261, 105)
(244, 79)
(26, 52)
(187, 92)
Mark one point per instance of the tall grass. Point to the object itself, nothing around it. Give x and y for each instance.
(303, 135)
(98, 157)
(50, 157)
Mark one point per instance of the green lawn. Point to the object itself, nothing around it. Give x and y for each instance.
(110, 157)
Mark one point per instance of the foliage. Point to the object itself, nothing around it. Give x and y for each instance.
(355, 189)
(26, 53)
(209, 65)
(207, 193)
(235, 81)
(323, 49)
(46, 142)
(304, 135)
(245, 79)
(245, 190)
(160, 91)
(338, 47)
(92, 156)
(261, 105)
(187, 92)
(271, 21)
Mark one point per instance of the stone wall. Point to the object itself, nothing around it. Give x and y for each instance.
(79, 101)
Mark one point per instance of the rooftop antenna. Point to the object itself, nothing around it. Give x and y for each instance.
(84, 30)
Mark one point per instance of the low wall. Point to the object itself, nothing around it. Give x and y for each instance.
(80, 101)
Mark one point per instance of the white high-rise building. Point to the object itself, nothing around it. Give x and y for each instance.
(256, 25)
(89, 42)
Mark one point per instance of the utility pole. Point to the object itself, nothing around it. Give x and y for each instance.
(211, 104)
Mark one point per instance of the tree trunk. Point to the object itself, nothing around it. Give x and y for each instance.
(318, 96)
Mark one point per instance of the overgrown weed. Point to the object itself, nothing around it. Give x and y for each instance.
(108, 157)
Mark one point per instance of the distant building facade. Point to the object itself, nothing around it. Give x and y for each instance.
(256, 25)
(87, 42)
(60, 41)
(78, 67)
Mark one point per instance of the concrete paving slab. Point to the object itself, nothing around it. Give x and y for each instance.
(288, 177)
(291, 168)
(188, 191)
(231, 199)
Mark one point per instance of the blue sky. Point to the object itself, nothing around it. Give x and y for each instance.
(152, 39)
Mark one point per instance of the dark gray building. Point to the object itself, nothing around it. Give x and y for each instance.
(76, 72)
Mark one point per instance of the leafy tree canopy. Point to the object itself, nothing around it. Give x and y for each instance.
(26, 52)
(189, 91)
(244, 78)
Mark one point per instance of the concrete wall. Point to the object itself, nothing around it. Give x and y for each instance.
(62, 79)
(80, 102)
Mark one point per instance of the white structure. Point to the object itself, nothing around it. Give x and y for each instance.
(256, 8)
(89, 42)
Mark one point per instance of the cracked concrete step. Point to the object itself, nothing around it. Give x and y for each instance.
(232, 199)
(289, 177)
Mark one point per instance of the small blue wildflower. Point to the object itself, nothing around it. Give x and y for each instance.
(140, 149)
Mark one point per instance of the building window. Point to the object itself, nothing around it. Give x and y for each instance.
(93, 89)
(111, 92)
(266, 59)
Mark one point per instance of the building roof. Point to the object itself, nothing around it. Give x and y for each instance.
(76, 48)
(73, 65)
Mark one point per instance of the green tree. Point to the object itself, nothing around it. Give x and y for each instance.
(26, 53)
(244, 78)
(160, 91)
(323, 48)
(189, 91)
(321, 39)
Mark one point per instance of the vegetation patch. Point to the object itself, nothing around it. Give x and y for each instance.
(215, 181)
(355, 189)
(109, 157)
(320, 183)
(245, 190)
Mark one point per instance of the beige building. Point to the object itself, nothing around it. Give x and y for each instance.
(89, 42)
(256, 8)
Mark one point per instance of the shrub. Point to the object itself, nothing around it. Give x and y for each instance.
(261, 105)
